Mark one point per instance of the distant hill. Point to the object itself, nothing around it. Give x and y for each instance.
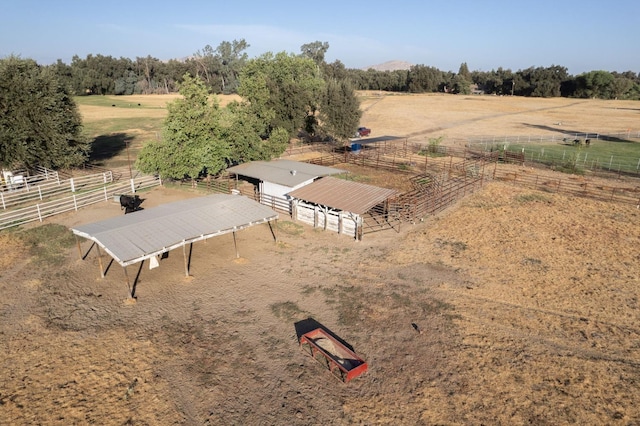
(390, 66)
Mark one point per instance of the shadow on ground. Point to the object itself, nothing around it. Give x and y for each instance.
(105, 147)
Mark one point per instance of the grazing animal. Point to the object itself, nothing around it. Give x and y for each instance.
(130, 203)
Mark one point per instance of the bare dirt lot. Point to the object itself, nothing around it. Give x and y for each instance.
(527, 303)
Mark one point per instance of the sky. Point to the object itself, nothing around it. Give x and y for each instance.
(581, 35)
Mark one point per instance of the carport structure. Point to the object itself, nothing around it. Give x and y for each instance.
(340, 205)
(146, 234)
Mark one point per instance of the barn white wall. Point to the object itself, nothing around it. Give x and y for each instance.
(276, 190)
(332, 220)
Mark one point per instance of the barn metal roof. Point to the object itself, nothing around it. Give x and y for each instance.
(283, 172)
(343, 195)
(137, 236)
(377, 139)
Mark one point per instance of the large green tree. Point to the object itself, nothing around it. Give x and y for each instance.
(193, 143)
(285, 88)
(424, 79)
(231, 57)
(39, 120)
(246, 133)
(595, 84)
(220, 67)
(340, 111)
(315, 51)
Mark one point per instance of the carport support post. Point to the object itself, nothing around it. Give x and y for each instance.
(235, 245)
(126, 277)
(100, 261)
(274, 230)
(276, 226)
(78, 245)
(186, 263)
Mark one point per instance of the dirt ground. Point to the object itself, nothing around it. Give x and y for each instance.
(525, 303)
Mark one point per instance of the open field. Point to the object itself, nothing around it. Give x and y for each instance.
(454, 117)
(135, 120)
(115, 121)
(527, 303)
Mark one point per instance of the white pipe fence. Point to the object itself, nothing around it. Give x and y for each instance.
(40, 211)
(52, 189)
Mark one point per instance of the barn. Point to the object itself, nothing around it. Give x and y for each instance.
(340, 205)
(273, 180)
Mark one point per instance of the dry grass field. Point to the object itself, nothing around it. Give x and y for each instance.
(419, 117)
(527, 302)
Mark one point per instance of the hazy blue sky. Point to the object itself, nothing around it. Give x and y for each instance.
(582, 35)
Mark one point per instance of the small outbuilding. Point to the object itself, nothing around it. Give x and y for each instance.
(340, 205)
(275, 179)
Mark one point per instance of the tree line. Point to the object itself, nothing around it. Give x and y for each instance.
(546, 82)
(281, 96)
(220, 69)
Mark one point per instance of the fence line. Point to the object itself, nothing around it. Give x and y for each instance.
(418, 158)
(40, 211)
(603, 162)
(551, 137)
(52, 188)
(584, 188)
(18, 181)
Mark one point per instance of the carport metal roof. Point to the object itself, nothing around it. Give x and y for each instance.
(141, 235)
(343, 195)
(283, 172)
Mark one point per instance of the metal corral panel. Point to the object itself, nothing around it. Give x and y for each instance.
(137, 236)
(283, 172)
(343, 195)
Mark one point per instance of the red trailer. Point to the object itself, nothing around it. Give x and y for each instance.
(339, 359)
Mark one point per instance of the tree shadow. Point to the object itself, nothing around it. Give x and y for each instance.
(578, 133)
(105, 147)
